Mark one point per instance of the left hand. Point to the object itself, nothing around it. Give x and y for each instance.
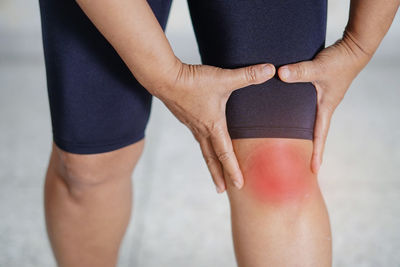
(331, 72)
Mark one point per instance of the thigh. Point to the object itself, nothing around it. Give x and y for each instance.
(237, 33)
(96, 104)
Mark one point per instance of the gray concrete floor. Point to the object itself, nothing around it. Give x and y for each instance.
(178, 218)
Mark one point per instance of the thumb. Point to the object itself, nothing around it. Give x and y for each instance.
(245, 76)
(305, 71)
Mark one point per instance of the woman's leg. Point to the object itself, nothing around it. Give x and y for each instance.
(88, 201)
(279, 217)
(96, 106)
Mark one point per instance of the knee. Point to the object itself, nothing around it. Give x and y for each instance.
(85, 171)
(279, 171)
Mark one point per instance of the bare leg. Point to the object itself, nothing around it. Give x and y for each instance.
(88, 200)
(279, 217)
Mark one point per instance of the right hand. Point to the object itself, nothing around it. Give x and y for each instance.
(197, 96)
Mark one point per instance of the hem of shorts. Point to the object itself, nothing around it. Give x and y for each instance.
(270, 132)
(94, 148)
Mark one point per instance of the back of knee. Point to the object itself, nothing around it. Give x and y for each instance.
(279, 173)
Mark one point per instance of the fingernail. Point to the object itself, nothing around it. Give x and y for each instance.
(237, 184)
(285, 73)
(268, 70)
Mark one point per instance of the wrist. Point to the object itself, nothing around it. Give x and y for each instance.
(360, 54)
(165, 78)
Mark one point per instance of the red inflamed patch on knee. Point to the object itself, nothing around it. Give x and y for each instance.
(278, 173)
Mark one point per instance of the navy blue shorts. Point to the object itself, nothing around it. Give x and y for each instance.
(97, 105)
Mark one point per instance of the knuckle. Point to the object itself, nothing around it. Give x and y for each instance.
(224, 156)
(213, 127)
(202, 129)
(209, 160)
(196, 132)
(301, 71)
(199, 132)
(210, 127)
(250, 74)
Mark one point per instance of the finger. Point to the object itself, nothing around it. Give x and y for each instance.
(242, 77)
(213, 164)
(223, 148)
(306, 71)
(320, 133)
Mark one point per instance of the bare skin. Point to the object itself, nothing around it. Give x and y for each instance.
(88, 203)
(88, 197)
(286, 228)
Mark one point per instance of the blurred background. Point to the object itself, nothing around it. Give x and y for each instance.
(178, 218)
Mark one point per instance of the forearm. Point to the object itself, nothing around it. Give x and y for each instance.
(369, 21)
(132, 29)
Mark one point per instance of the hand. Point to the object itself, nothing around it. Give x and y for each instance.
(331, 72)
(197, 96)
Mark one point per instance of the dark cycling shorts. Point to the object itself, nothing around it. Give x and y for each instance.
(97, 105)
